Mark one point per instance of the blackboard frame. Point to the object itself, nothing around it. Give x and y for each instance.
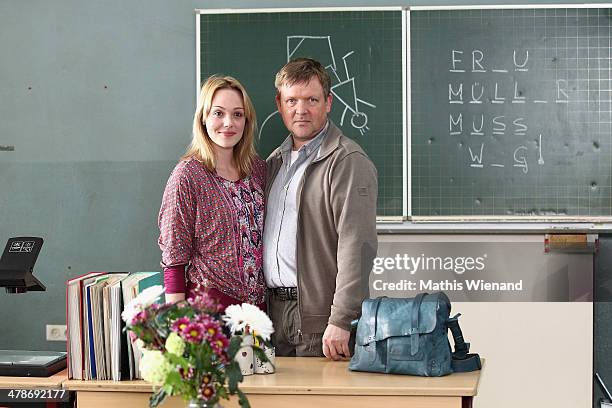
(405, 93)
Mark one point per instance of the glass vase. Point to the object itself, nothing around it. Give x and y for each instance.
(202, 404)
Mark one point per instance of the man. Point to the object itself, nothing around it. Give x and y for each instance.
(320, 229)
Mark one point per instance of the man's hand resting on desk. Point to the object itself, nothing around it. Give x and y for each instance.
(335, 343)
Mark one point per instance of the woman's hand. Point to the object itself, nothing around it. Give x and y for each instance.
(174, 297)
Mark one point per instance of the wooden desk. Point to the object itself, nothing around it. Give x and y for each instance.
(53, 382)
(301, 382)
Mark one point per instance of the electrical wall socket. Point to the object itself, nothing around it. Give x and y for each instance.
(56, 332)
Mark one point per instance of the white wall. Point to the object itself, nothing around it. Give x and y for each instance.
(537, 354)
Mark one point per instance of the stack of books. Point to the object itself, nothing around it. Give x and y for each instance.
(98, 346)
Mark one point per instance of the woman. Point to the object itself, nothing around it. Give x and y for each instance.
(211, 217)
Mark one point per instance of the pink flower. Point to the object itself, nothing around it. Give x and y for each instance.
(154, 307)
(179, 324)
(219, 344)
(140, 318)
(214, 335)
(203, 319)
(193, 333)
(207, 392)
(186, 374)
(212, 328)
(203, 301)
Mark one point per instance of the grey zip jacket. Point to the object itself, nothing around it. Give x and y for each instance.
(336, 232)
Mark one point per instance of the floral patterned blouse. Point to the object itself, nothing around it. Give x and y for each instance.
(215, 226)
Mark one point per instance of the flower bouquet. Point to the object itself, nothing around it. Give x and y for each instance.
(185, 350)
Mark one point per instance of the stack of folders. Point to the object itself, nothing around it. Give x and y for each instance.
(98, 346)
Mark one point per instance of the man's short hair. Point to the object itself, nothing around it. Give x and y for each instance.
(301, 71)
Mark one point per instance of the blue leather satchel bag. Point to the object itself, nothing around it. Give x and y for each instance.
(410, 336)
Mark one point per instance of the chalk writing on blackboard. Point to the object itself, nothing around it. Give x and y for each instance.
(477, 62)
(493, 93)
(343, 88)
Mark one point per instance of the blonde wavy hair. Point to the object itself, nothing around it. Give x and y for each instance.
(202, 147)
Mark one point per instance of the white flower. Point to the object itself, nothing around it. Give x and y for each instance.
(234, 318)
(150, 295)
(140, 345)
(175, 345)
(258, 321)
(146, 298)
(154, 367)
(237, 317)
(130, 311)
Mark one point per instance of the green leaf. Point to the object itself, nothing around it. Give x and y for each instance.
(243, 400)
(234, 376)
(234, 346)
(222, 393)
(174, 379)
(157, 398)
(168, 389)
(259, 353)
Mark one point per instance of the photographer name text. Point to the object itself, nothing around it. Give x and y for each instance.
(476, 285)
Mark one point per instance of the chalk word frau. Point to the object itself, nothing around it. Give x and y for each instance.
(478, 62)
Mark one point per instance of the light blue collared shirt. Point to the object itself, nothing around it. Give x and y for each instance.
(280, 230)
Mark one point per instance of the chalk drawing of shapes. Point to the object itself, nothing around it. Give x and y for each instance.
(263, 124)
(345, 93)
(316, 47)
(271, 134)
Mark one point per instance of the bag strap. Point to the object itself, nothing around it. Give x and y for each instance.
(372, 336)
(414, 323)
(462, 360)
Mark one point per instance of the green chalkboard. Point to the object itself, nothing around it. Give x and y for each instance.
(511, 112)
(363, 53)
